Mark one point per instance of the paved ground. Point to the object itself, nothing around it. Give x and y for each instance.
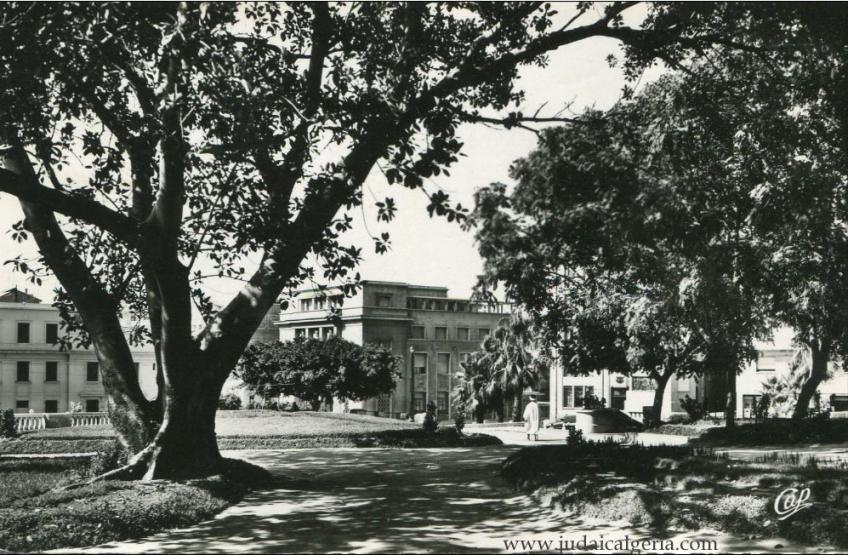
(390, 500)
(514, 435)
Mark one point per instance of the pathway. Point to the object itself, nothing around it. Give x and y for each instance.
(388, 500)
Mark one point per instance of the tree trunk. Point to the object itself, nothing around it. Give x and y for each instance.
(480, 414)
(730, 402)
(655, 418)
(516, 409)
(818, 372)
(185, 445)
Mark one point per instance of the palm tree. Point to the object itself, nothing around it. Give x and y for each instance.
(518, 363)
(476, 385)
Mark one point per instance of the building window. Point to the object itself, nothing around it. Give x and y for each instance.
(306, 305)
(92, 405)
(23, 371)
(300, 332)
(92, 373)
(51, 333)
(384, 301)
(749, 405)
(443, 363)
(23, 332)
(417, 332)
(420, 363)
(51, 405)
(51, 371)
(462, 334)
(442, 401)
(573, 396)
(420, 401)
(22, 404)
(641, 383)
(765, 366)
(441, 333)
(326, 333)
(314, 333)
(319, 303)
(482, 333)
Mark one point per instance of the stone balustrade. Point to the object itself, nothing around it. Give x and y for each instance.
(89, 419)
(30, 422)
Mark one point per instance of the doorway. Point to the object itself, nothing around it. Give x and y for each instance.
(617, 397)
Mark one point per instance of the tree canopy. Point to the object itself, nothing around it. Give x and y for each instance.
(319, 370)
(146, 141)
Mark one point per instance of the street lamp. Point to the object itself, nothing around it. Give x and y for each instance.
(411, 381)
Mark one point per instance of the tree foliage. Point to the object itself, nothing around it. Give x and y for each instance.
(153, 145)
(318, 371)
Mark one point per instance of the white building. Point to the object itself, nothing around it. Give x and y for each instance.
(775, 358)
(633, 393)
(36, 376)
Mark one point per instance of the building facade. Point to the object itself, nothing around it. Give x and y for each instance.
(633, 393)
(36, 376)
(775, 359)
(430, 331)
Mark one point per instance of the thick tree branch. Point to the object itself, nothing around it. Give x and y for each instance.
(281, 179)
(73, 206)
(97, 308)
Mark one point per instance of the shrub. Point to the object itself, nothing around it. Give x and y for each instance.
(591, 402)
(7, 423)
(230, 401)
(575, 438)
(693, 408)
(761, 409)
(108, 459)
(431, 423)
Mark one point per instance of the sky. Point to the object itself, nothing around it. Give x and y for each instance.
(432, 251)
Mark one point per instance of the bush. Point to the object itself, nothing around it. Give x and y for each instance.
(108, 459)
(7, 423)
(693, 408)
(591, 402)
(230, 401)
(431, 423)
(761, 409)
(575, 438)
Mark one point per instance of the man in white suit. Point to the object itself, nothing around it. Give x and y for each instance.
(531, 419)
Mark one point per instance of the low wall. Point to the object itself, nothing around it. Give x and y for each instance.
(30, 422)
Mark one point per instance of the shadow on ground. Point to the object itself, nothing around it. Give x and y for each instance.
(380, 500)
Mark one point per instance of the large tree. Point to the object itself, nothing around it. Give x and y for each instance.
(627, 235)
(319, 370)
(147, 141)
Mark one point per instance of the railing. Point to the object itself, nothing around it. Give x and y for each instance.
(30, 422)
(89, 419)
(636, 415)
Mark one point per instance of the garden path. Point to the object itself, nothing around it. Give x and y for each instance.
(390, 500)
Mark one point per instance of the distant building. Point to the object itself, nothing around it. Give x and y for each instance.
(633, 394)
(35, 375)
(775, 359)
(430, 331)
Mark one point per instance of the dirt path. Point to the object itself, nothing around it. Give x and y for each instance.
(388, 500)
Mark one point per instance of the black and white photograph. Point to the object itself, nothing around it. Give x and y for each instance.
(423, 277)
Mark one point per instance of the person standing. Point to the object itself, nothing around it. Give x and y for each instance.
(531, 419)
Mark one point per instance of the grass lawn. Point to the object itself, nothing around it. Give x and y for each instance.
(678, 488)
(266, 430)
(35, 516)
